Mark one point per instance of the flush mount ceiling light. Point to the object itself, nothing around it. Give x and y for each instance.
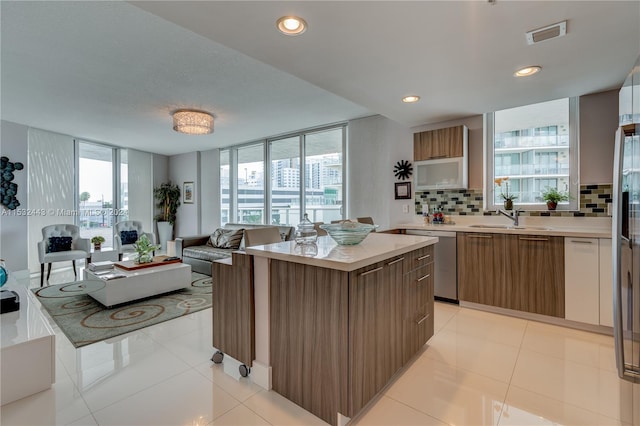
(192, 122)
(527, 71)
(410, 99)
(291, 25)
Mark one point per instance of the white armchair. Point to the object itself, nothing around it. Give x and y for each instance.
(120, 246)
(53, 248)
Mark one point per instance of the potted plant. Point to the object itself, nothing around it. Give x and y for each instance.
(97, 242)
(552, 197)
(167, 196)
(508, 198)
(144, 249)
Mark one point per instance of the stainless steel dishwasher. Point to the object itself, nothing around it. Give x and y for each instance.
(446, 264)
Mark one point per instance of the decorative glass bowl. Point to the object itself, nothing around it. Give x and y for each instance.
(348, 233)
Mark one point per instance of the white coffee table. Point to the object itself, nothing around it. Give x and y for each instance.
(140, 283)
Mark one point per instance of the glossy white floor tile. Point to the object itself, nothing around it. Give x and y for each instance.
(450, 394)
(488, 326)
(185, 399)
(576, 384)
(528, 408)
(479, 368)
(387, 411)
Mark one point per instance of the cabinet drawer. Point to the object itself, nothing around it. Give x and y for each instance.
(419, 292)
(418, 258)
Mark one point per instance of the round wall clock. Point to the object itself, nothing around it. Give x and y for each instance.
(403, 169)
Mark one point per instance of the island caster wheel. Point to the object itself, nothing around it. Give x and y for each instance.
(217, 357)
(244, 370)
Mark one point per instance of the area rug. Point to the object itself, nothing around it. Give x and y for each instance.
(85, 321)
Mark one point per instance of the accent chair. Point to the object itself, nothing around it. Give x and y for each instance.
(127, 233)
(61, 243)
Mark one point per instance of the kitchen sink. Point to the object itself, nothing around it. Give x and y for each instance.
(533, 228)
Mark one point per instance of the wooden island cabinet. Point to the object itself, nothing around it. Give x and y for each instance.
(343, 322)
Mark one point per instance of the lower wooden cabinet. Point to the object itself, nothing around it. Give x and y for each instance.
(521, 272)
(481, 269)
(418, 320)
(336, 338)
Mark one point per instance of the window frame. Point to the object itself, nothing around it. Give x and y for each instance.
(266, 144)
(488, 121)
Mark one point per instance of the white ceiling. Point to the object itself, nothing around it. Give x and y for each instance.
(113, 71)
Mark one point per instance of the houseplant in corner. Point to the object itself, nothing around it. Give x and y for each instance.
(97, 242)
(167, 196)
(552, 197)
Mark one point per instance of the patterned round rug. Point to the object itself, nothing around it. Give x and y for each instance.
(84, 320)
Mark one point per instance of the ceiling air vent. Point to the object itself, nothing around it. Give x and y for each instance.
(546, 33)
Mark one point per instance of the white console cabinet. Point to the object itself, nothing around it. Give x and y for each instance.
(27, 355)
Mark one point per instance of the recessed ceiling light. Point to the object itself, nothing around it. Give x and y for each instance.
(527, 71)
(410, 99)
(291, 25)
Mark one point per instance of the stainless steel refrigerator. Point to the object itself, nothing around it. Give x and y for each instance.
(626, 241)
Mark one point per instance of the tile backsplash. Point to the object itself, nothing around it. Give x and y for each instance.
(593, 202)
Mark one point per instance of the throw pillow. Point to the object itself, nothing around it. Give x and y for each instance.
(128, 237)
(59, 244)
(226, 238)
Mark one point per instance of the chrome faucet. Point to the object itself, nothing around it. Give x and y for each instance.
(513, 215)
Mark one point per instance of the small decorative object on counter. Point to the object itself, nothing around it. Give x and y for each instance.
(348, 233)
(97, 242)
(306, 232)
(552, 197)
(144, 249)
(426, 218)
(438, 217)
(508, 198)
(306, 249)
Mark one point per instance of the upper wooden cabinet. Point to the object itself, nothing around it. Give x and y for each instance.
(440, 143)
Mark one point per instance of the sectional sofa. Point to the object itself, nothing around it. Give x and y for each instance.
(198, 251)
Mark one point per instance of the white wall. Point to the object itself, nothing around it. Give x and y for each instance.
(50, 165)
(210, 190)
(186, 168)
(375, 145)
(14, 228)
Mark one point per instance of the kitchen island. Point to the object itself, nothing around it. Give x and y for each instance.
(333, 328)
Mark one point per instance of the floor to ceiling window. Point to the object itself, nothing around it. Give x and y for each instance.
(268, 182)
(323, 177)
(250, 184)
(285, 180)
(102, 190)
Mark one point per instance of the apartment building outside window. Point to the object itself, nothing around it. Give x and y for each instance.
(279, 179)
(535, 147)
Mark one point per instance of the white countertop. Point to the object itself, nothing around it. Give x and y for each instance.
(376, 247)
(565, 227)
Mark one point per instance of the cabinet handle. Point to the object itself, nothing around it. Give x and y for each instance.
(422, 319)
(395, 261)
(424, 278)
(433, 157)
(479, 236)
(533, 239)
(371, 271)
(424, 257)
(582, 241)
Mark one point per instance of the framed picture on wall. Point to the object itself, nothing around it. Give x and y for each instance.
(188, 193)
(403, 190)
